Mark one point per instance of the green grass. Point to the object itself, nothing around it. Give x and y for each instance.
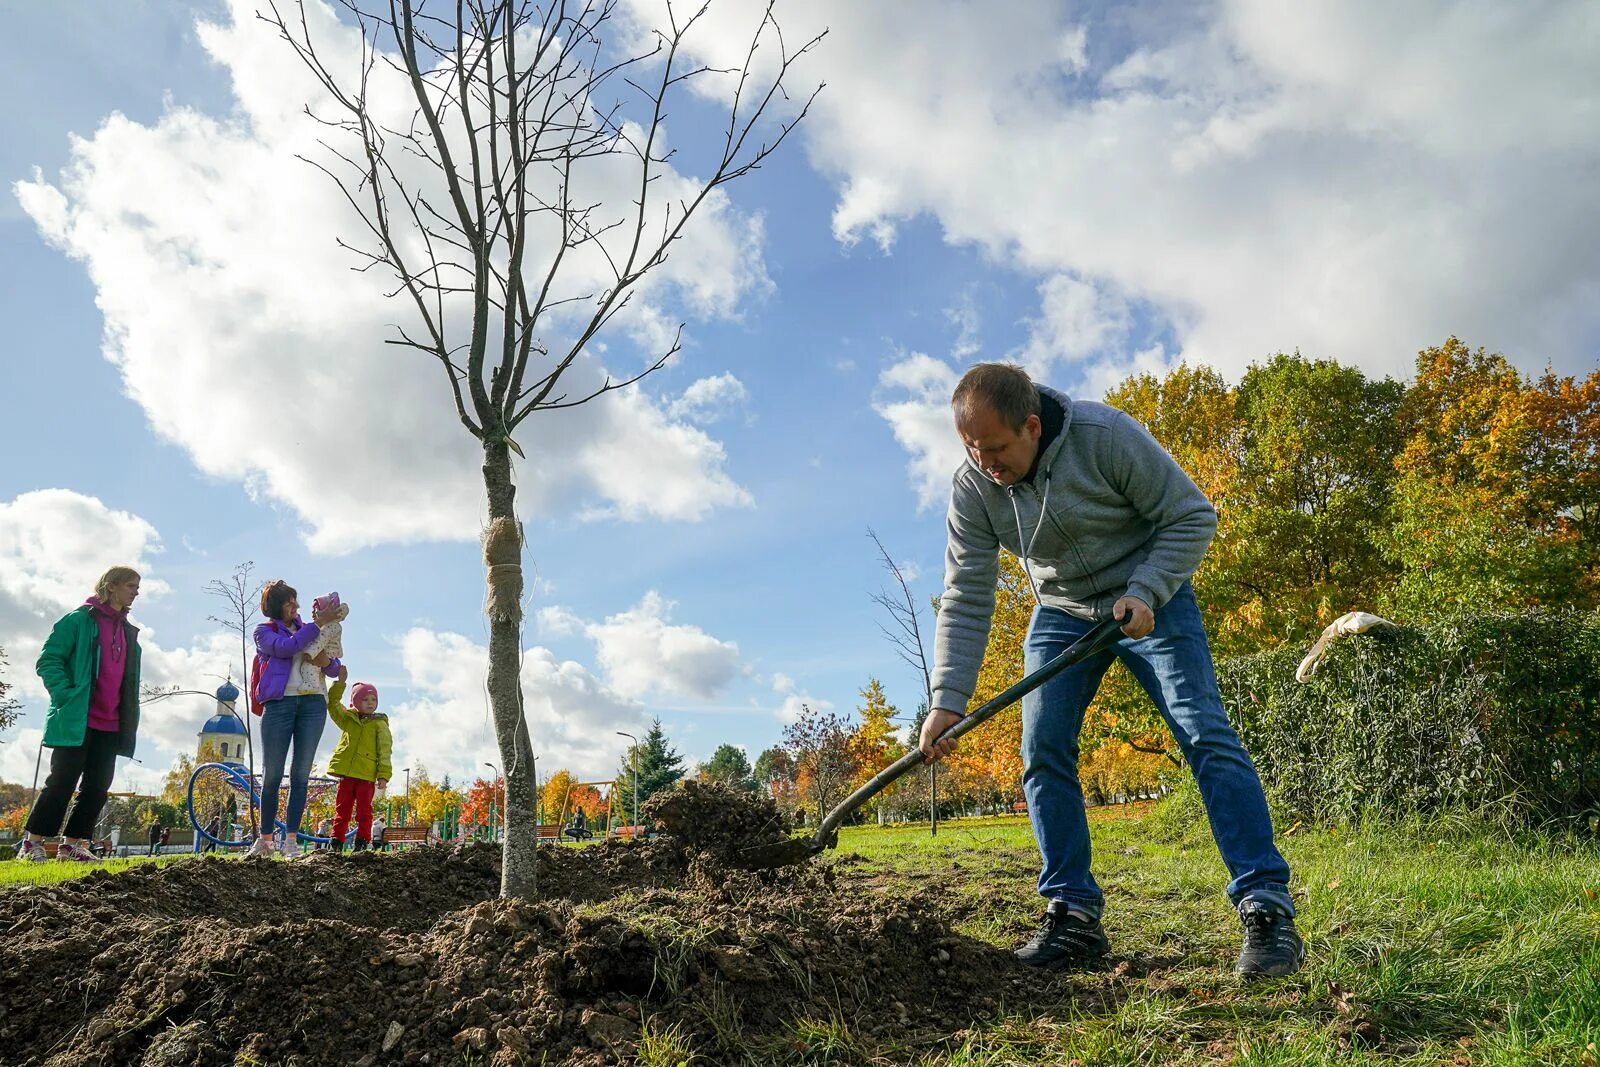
(14, 872)
(1448, 943)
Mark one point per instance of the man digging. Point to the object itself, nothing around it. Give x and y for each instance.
(1107, 525)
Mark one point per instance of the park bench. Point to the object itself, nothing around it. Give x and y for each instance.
(405, 835)
(1020, 807)
(548, 831)
(627, 831)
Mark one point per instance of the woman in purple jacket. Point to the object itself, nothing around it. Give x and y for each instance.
(295, 708)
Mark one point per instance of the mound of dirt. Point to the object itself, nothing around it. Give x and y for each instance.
(715, 819)
(408, 958)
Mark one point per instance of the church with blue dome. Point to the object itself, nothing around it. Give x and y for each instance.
(223, 737)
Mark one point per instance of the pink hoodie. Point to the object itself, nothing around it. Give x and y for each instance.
(106, 697)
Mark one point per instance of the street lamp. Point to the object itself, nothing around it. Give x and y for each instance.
(634, 751)
(408, 791)
(501, 780)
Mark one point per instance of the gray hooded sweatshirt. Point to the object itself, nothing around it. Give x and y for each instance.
(1109, 514)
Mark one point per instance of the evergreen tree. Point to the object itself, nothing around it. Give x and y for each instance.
(659, 767)
(729, 766)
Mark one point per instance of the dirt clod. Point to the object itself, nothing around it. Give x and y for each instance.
(718, 820)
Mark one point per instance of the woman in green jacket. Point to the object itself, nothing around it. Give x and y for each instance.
(90, 667)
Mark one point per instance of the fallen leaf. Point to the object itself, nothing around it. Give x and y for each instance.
(1335, 884)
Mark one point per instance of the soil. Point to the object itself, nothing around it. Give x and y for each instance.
(409, 958)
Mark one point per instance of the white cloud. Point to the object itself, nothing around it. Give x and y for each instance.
(709, 399)
(1357, 180)
(795, 701)
(212, 252)
(1077, 320)
(643, 654)
(572, 715)
(54, 545)
(922, 422)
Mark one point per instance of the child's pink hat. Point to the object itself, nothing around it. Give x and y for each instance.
(361, 692)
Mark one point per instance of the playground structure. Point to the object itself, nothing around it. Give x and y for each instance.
(231, 780)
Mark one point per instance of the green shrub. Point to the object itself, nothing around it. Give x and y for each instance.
(1473, 712)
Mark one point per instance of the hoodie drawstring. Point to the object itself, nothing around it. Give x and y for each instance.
(1027, 547)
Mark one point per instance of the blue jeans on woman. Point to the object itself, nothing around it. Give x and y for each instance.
(1173, 664)
(299, 719)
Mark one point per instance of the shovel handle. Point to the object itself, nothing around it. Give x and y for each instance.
(1103, 636)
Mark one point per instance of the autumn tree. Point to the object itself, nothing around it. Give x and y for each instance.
(1310, 499)
(480, 806)
(874, 743)
(429, 799)
(819, 746)
(990, 759)
(774, 774)
(13, 819)
(728, 766)
(474, 143)
(1496, 487)
(553, 797)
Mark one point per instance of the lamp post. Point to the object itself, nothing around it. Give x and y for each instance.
(408, 792)
(634, 752)
(502, 783)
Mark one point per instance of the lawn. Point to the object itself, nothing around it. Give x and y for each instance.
(1449, 944)
(13, 872)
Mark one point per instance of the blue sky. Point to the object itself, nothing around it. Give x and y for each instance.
(1090, 191)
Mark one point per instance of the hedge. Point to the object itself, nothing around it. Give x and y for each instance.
(1473, 712)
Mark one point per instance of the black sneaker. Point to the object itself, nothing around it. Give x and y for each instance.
(1063, 940)
(1272, 946)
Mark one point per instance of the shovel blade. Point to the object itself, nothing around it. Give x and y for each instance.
(781, 854)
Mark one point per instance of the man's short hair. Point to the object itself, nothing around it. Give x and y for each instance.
(1003, 387)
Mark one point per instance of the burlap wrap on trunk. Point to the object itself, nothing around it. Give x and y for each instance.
(502, 552)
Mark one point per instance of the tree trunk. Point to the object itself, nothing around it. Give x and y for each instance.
(518, 860)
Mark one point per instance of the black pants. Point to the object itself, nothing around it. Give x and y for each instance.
(86, 768)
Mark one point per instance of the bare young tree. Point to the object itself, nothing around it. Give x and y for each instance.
(906, 636)
(485, 204)
(238, 592)
(901, 607)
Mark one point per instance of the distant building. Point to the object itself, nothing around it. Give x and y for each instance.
(223, 734)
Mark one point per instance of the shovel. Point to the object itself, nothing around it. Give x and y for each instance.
(799, 849)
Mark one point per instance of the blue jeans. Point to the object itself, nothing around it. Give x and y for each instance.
(299, 719)
(1173, 664)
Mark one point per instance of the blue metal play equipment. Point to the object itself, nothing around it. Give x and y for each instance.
(233, 777)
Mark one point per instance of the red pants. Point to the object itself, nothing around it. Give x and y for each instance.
(353, 792)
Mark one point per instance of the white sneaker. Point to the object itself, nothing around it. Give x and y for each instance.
(290, 849)
(31, 851)
(261, 847)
